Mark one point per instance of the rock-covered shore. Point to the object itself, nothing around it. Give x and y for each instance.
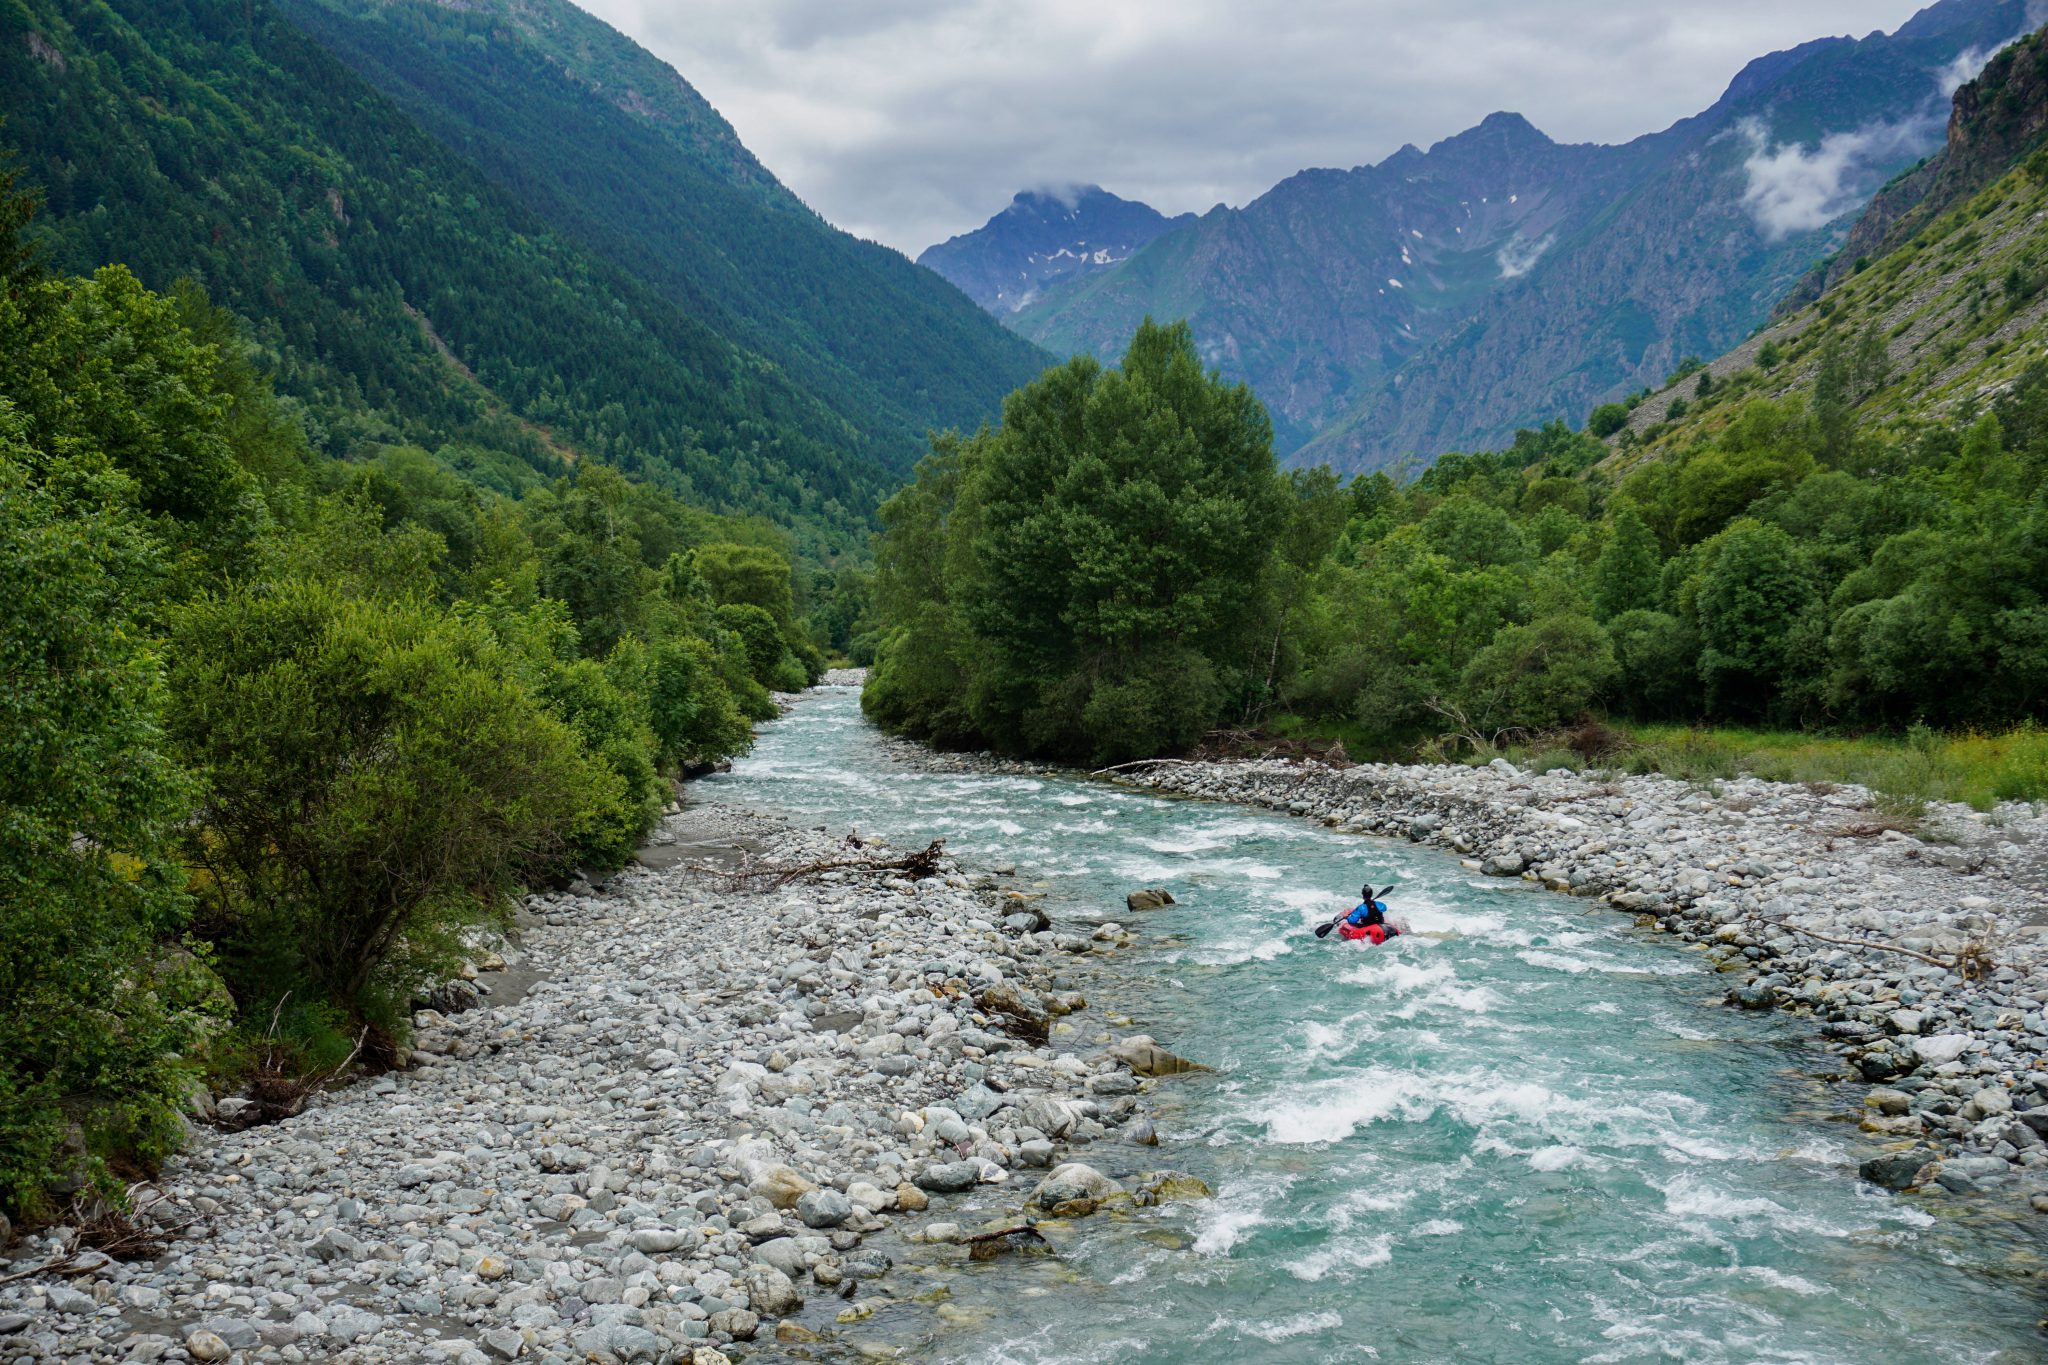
(698, 1118)
(1799, 892)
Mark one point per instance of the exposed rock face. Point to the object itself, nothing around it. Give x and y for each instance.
(1149, 900)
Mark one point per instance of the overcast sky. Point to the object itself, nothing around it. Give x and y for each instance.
(910, 120)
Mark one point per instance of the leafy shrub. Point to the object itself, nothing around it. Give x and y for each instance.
(1538, 675)
(373, 783)
(1607, 419)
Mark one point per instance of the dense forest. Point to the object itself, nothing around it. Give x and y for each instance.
(276, 728)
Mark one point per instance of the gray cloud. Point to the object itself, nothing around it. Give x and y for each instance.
(911, 120)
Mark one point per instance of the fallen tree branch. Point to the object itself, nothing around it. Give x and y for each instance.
(100, 1231)
(1973, 961)
(767, 877)
(275, 1093)
(1140, 763)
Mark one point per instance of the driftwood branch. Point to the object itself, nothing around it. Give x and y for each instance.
(102, 1231)
(1972, 962)
(767, 877)
(1138, 763)
(275, 1093)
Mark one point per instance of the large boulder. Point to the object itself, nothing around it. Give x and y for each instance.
(1897, 1170)
(1942, 1048)
(1075, 1189)
(779, 1185)
(952, 1177)
(824, 1208)
(1021, 1012)
(770, 1292)
(1147, 1058)
(1051, 1116)
(1150, 899)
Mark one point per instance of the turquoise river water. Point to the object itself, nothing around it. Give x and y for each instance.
(1536, 1138)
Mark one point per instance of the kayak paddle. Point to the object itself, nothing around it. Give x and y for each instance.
(1323, 930)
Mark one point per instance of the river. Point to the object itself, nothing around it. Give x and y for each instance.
(1527, 1134)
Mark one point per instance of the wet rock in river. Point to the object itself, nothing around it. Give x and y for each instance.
(1149, 899)
(1074, 1189)
(1897, 1170)
(1147, 1058)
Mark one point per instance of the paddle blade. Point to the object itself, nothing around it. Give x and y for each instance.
(1323, 930)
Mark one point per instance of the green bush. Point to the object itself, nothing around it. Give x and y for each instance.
(1538, 675)
(1607, 419)
(1657, 664)
(374, 782)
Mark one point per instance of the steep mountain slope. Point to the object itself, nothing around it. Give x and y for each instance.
(1442, 299)
(1043, 239)
(1952, 312)
(613, 149)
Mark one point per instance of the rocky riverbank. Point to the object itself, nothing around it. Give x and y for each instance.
(1922, 955)
(691, 1130)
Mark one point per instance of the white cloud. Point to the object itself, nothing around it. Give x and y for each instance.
(1518, 256)
(1792, 188)
(911, 120)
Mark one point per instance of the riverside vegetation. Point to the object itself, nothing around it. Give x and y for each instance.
(275, 729)
(1118, 569)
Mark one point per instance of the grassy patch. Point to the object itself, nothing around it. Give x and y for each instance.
(1905, 771)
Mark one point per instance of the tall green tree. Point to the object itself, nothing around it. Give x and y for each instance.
(1627, 574)
(1104, 556)
(1750, 602)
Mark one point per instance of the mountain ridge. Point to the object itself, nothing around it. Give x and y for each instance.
(1372, 345)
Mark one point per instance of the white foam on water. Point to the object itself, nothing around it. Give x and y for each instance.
(1387, 972)
(1603, 1007)
(1703, 1208)
(1680, 1030)
(1199, 841)
(1222, 1228)
(1556, 962)
(1557, 1157)
(1288, 1328)
(1074, 799)
(1383, 1199)
(1329, 1041)
(1778, 1279)
(1703, 1149)
(1352, 1103)
(1464, 1000)
(1343, 1256)
(1439, 1227)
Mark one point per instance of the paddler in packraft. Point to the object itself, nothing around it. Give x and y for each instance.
(1366, 922)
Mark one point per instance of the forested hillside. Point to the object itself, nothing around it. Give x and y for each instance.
(397, 293)
(613, 150)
